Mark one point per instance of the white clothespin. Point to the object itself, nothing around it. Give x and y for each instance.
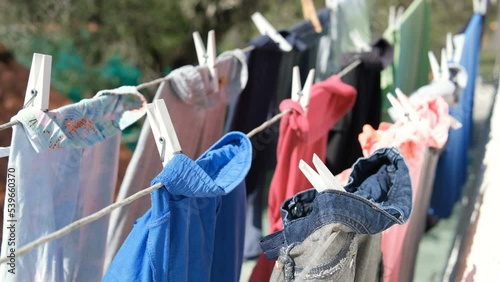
(300, 94)
(480, 6)
(163, 130)
(265, 28)
(321, 180)
(395, 18)
(397, 107)
(458, 43)
(38, 90)
(408, 108)
(4, 152)
(436, 73)
(449, 47)
(439, 71)
(206, 57)
(359, 42)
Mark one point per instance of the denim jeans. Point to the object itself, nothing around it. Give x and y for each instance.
(335, 235)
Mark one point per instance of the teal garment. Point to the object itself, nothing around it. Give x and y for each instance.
(410, 68)
(175, 239)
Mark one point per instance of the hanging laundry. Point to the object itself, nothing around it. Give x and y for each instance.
(301, 136)
(269, 75)
(451, 172)
(306, 33)
(345, 17)
(50, 157)
(342, 151)
(413, 139)
(335, 235)
(411, 41)
(174, 240)
(197, 114)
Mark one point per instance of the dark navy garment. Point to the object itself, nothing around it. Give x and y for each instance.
(174, 240)
(451, 172)
(342, 152)
(377, 196)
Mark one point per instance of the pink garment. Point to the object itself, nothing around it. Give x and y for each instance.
(301, 136)
(413, 140)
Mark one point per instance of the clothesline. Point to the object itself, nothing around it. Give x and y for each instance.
(95, 216)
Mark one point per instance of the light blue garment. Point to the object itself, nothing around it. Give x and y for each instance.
(451, 170)
(174, 240)
(65, 164)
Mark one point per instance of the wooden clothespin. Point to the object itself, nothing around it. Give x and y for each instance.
(480, 6)
(309, 13)
(321, 180)
(206, 57)
(38, 89)
(163, 130)
(265, 28)
(300, 94)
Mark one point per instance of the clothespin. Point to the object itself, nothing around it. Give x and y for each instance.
(265, 28)
(395, 18)
(300, 94)
(38, 90)
(408, 108)
(480, 6)
(458, 43)
(398, 108)
(359, 42)
(163, 130)
(206, 57)
(439, 72)
(321, 180)
(309, 13)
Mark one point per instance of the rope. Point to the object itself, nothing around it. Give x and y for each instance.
(95, 216)
(83, 221)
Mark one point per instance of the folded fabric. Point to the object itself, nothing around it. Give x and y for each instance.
(174, 240)
(49, 162)
(335, 235)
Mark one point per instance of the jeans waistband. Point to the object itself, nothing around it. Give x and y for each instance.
(378, 195)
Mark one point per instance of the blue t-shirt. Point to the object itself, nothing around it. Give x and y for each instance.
(174, 240)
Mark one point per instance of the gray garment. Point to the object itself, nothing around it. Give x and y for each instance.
(197, 114)
(416, 227)
(334, 249)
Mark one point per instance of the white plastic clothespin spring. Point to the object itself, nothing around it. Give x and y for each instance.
(265, 28)
(321, 180)
(38, 89)
(206, 57)
(163, 130)
(299, 94)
